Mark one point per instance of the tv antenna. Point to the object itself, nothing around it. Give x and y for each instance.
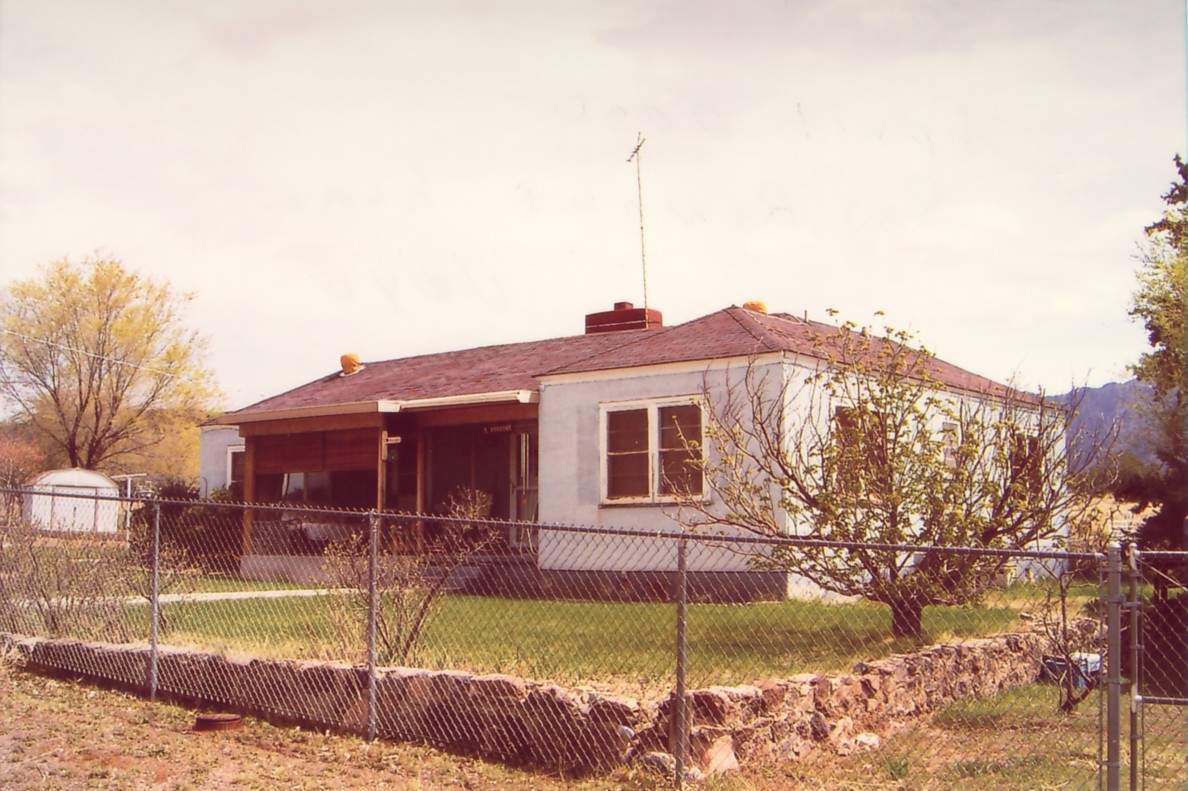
(637, 155)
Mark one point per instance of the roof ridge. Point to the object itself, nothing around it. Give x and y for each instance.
(638, 336)
(752, 327)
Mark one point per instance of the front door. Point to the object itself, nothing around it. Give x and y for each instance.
(525, 491)
(498, 459)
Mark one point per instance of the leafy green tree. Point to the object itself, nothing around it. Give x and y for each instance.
(868, 449)
(1160, 298)
(1159, 302)
(97, 361)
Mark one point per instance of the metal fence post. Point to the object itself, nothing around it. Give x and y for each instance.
(1136, 662)
(680, 707)
(1114, 667)
(372, 620)
(155, 602)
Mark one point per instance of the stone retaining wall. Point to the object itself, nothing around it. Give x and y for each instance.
(789, 718)
(521, 721)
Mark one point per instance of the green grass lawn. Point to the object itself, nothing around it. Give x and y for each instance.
(621, 643)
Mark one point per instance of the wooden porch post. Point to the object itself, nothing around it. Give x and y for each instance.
(249, 492)
(381, 477)
(419, 529)
(386, 444)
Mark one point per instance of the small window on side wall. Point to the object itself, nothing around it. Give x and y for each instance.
(1026, 464)
(651, 452)
(951, 442)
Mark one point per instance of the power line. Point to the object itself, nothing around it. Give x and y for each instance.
(85, 353)
(112, 360)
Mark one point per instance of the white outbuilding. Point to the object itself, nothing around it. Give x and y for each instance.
(73, 501)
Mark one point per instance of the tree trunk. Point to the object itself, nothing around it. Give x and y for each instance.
(905, 618)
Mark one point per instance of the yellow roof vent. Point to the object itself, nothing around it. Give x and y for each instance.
(351, 364)
(756, 306)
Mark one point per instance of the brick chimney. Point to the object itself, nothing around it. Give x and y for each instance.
(625, 316)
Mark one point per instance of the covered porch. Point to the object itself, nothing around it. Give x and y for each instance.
(391, 457)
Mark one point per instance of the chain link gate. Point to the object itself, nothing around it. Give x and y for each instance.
(1156, 666)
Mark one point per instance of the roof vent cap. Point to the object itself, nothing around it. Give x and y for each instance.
(351, 364)
(756, 306)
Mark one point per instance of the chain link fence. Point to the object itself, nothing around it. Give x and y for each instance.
(583, 650)
(1155, 663)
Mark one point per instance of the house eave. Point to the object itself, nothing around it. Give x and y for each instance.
(320, 410)
(381, 406)
(474, 399)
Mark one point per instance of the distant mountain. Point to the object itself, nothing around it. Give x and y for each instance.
(1098, 409)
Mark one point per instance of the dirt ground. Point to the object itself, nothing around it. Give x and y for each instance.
(66, 734)
(63, 733)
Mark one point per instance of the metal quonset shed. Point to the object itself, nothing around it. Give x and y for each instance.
(68, 501)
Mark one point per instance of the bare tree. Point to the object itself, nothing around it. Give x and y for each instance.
(865, 446)
(1070, 637)
(409, 586)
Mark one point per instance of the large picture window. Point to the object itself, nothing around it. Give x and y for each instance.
(651, 451)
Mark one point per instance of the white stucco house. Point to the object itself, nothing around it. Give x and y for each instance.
(221, 461)
(576, 430)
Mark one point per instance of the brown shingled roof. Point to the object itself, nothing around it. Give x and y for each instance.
(488, 369)
(737, 332)
(729, 333)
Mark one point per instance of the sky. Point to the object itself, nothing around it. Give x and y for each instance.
(398, 178)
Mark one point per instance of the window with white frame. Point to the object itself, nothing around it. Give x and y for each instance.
(950, 442)
(235, 462)
(651, 451)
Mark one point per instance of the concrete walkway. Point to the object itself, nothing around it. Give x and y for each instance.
(297, 593)
(183, 598)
